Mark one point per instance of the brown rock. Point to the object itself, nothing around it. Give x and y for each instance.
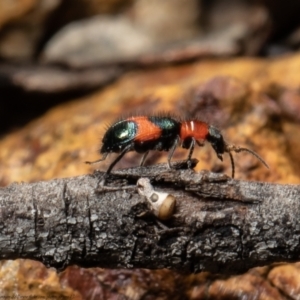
(27, 24)
(27, 279)
(286, 278)
(95, 41)
(289, 102)
(18, 41)
(54, 80)
(12, 10)
(148, 33)
(132, 284)
(58, 144)
(247, 286)
(167, 21)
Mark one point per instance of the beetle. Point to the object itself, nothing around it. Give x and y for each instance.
(164, 133)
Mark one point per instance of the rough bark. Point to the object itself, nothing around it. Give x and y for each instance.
(220, 224)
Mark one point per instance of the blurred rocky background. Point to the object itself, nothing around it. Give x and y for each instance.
(68, 67)
(55, 50)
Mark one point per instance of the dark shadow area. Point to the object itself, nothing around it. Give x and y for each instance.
(19, 107)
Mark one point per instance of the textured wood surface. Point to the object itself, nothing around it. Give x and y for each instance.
(220, 225)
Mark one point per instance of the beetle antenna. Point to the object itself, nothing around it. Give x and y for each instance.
(237, 149)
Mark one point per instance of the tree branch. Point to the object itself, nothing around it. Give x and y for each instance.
(219, 225)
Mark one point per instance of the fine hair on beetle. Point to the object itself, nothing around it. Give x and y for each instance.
(164, 132)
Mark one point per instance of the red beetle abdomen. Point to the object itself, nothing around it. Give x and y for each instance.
(146, 130)
(194, 129)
